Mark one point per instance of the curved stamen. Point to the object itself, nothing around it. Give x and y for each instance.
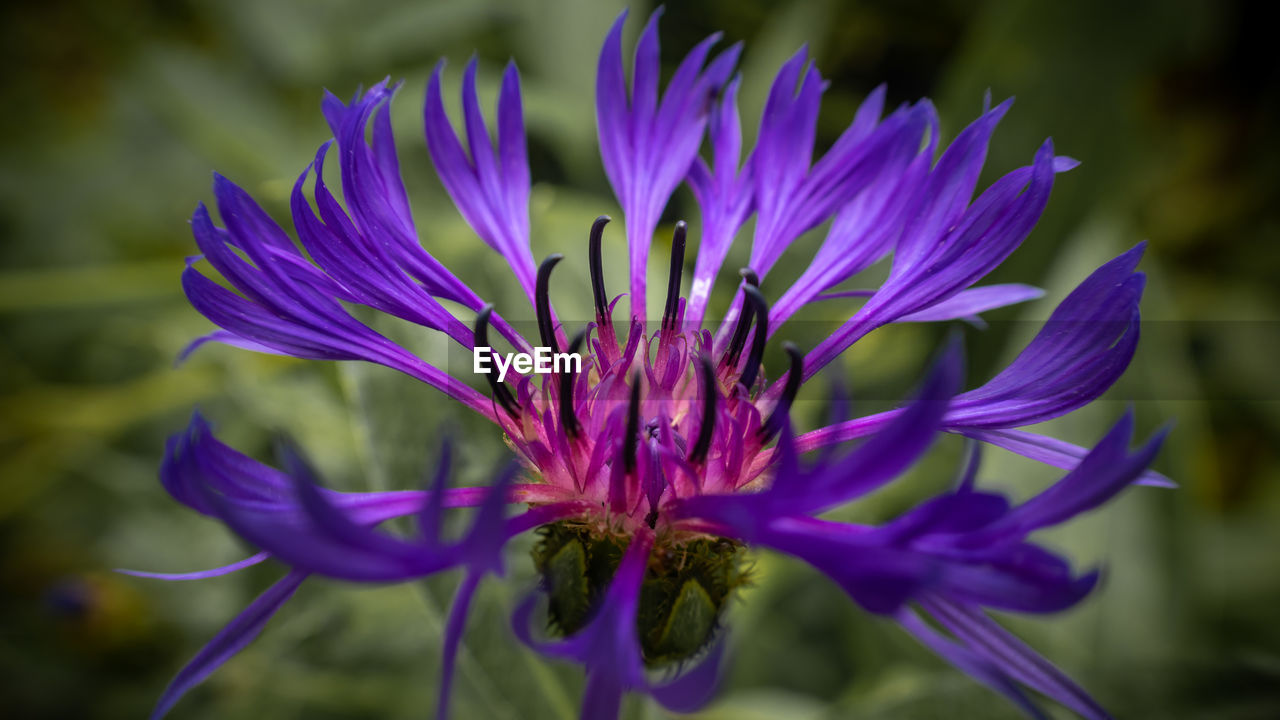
(481, 339)
(710, 389)
(779, 414)
(673, 279)
(597, 267)
(633, 426)
(761, 311)
(542, 302)
(739, 339)
(567, 418)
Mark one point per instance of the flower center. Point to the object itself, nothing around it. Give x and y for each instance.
(686, 587)
(649, 417)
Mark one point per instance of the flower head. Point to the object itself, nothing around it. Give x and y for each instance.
(649, 470)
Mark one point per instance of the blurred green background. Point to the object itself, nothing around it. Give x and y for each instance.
(118, 111)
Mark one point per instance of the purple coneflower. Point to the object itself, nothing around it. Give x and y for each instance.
(649, 471)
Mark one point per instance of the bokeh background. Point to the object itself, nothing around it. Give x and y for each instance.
(117, 112)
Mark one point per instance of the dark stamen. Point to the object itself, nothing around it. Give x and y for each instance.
(633, 426)
(651, 519)
(779, 414)
(481, 339)
(761, 308)
(597, 267)
(744, 320)
(673, 280)
(710, 389)
(567, 418)
(542, 301)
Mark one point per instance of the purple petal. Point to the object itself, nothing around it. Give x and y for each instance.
(968, 303)
(376, 197)
(725, 198)
(863, 230)
(490, 191)
(288, 516)
(1081, 351)
(454, 628)
(1100, 475)
(946, 263)
(608, 646)
(226, 338)
(880, 579)
(947, 514)
(835, 481)
(291, 307)
(230, 640)
(693, 688)
(366, 270)
(1027, 579)
(792, 198)
(612, 115)
(1052, 451)
(602, 698)
(1013, 657)
(949, 188)
(200, 574)
(975, 665)
(648, 145)
(892, 450)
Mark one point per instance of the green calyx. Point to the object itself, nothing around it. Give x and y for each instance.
(686, 586)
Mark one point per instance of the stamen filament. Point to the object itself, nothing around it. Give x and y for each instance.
(597, 268)
(633, 426)
(567, 417)
(542, 298)
(761, 311)
(673, 278)
(739, 339)
(481, 339)
(773, 425)
(710, 389)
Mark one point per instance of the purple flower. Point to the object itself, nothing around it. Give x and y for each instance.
(648, 471)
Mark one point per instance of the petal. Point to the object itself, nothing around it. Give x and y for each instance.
(963, 253)
(1012, 656)
(226, 338)
(365, 269)
(968, 303)
(891, 451)
(1026, 579)
(1100, 475)
(725, 198)
(949, 188)
(975, 665)
(834, 481)
(454, 628)
(230, 640)
(490, 190)
(793, 198)
(201, 574)
(291, 306)
(864, 229)
(1052, 451)
(608, 646)
(878, 578)
(375, 194)
(287, 515)
(648, 144)
(692, 688)
(1081, 351)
